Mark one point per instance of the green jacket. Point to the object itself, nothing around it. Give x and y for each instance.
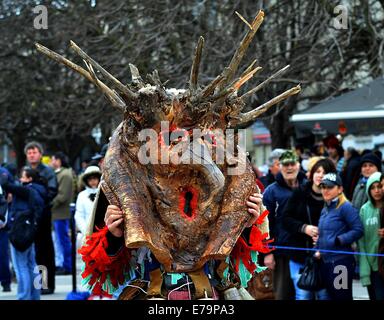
(60, 204)
(369, 243)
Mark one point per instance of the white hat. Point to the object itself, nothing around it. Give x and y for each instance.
(90, 171)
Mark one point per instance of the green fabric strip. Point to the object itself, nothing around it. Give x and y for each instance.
(244, 274)
(176, 277)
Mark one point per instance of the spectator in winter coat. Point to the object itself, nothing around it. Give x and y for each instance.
(301, 217)
(28, 197)
(85, 199)
(370, 164)
(339, 226)
(61, 213)
(369, 243)
(275, 198)
(351, 171)
(45, 254)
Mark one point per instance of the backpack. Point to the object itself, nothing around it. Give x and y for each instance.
(24, 227)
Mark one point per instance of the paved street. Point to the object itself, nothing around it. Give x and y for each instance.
(63, 287)
(359, 292)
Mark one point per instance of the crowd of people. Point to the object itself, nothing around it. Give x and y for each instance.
(326, 204)
(35, 218)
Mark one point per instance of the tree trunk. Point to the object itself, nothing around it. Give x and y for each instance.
(18, 141)
(276, 127)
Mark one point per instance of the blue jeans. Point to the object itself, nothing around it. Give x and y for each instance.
(304, 294)
(24, 264)
(5, 273)
(64, 242)
(59, 259)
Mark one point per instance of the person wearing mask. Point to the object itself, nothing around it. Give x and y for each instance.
(370, 164)
(28, 197)
(86, 198)
(61, 213)
(339, 227)
(369, 243)
(273, 167)
(275, 198)
(45, 254)
(301, 217)
(107, 239)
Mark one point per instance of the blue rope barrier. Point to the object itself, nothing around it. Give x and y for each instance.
(328, 251)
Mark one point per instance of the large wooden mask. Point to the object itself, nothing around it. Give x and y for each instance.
(175, 166)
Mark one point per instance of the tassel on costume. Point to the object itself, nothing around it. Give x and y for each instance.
(258, 243)
(100, 266)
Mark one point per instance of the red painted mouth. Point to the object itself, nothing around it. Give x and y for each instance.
(188, 203)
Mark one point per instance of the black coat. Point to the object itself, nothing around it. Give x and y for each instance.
(295, 216)
(267, 179)
(350, 175)
(50, 178)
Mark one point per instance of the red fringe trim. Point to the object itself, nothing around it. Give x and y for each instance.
(258, 242)
(99, 264)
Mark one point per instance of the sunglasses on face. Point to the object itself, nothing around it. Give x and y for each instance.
(289, 164)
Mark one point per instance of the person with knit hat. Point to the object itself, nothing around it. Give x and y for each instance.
(370, 163)
(85, 199)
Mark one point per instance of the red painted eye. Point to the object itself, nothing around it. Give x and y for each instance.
(188, 200)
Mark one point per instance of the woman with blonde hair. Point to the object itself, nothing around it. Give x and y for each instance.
(339, 227)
